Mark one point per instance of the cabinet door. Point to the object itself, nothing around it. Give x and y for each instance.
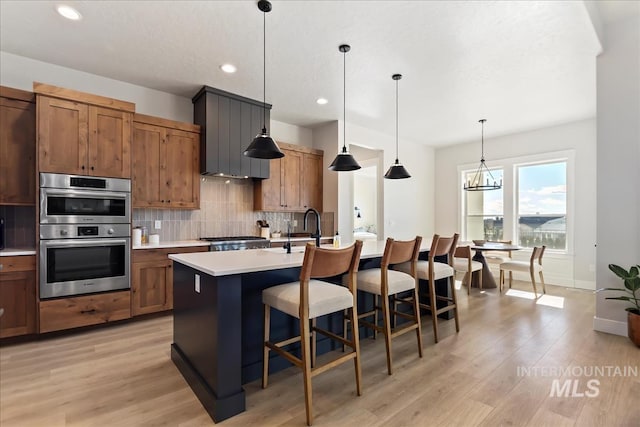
(291, 176)
(268, 192)
(17, 152)
(152, 287)
(109, 142)
(148, 141)
(62, 136)
(180, 176)
(18, 299)
(312, 182)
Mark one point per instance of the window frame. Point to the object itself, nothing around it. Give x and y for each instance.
(510, 194)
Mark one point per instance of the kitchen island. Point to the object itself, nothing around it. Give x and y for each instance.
(217, 328)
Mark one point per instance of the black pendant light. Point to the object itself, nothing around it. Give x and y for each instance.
(263, 146)
(344, 161)
(397, 171)
(476, 183)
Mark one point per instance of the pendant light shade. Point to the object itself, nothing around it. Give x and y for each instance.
(344, 161)
(477, 183)
(397, 171)
(263, 146)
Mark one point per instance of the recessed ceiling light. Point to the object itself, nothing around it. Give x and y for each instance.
(322, 101)
(228, 68)
(68, 12)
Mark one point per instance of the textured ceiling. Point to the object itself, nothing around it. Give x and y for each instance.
(522, 65)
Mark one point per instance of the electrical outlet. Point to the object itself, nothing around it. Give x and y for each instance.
(157, 225)
(294, 223)
(197, 281)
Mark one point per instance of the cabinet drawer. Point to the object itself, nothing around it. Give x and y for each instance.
(146, 255)
(68, 313)
(9, 264)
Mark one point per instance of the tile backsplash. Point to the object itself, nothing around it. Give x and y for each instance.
(226, 209)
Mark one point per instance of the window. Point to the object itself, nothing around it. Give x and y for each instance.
(542, 205)
(484, 210)
(533, 208)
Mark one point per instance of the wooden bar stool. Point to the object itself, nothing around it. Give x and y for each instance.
(383, 283)
(431, 270)
(308, 299)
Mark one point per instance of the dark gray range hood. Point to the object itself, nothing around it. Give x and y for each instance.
(229, 123)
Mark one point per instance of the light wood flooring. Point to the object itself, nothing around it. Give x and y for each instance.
(123, 376)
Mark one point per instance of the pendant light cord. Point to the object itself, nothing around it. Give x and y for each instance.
(482, 143)
(397, 154)
(264, 72)
(344, 102)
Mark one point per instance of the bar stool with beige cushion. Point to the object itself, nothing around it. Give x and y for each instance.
(534, 265)
(384, 283)
(431, 271)
(308, 299)
(463, 263)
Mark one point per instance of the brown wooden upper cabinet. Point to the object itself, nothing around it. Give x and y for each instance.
(83, 134)
(295, 183)
(166, 163)
(17, 147)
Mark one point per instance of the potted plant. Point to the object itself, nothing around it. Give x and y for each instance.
(631, 293)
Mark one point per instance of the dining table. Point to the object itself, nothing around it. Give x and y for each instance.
(488, 281)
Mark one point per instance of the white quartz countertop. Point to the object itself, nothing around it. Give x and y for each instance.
(173, 244)
(253, 260)
(17, 251)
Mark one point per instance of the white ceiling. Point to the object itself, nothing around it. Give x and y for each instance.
(521, 65)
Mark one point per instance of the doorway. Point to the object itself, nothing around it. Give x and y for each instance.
(367, 194)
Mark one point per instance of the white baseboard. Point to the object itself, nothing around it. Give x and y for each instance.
(610, 326)
(585, 284)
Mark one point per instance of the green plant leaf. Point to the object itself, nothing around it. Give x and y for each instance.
(620, 298)
(619, 271)
(634, 271)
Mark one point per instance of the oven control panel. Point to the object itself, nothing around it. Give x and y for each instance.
(76, 231)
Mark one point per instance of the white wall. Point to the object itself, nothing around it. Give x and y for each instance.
(291, 134)
(618, 209)
(20, 73)
(407, 203)
(573, 269)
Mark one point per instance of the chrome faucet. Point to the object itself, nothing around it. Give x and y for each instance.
(318, 232)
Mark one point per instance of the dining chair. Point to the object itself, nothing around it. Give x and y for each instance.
(497, 257)
(432, 270)
(308, 299)
(533, 266)
(383, 284)
(463, 263)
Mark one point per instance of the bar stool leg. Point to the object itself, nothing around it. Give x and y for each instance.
(433, 307)
(306, 368)
(387, 330)
(265, 354)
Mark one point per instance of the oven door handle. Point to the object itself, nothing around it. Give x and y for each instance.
(84, 242)
(85, 193)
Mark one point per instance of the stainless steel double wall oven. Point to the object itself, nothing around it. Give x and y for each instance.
(85, 234)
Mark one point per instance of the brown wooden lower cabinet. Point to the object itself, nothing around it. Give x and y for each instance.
(18, 295)
(152, 279)
(66, 313)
